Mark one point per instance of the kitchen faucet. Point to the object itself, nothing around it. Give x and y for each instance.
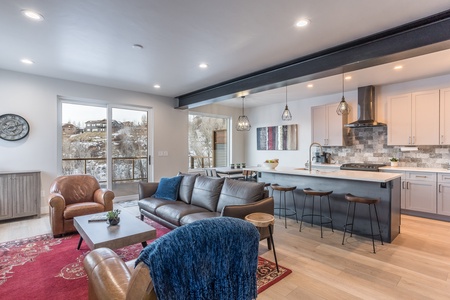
(310, 146)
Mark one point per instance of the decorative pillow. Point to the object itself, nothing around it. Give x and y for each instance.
(168, 188)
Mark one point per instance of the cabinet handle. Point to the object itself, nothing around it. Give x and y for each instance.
(442, 139)
(439, 190)
(403, 185)
(421, 176)
(409, 141)
(413, 140)
(446, 178)
(407, 185)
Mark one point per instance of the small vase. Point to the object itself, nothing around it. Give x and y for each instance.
(394, 163)
(114, 221)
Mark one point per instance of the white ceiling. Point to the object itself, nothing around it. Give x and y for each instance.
(91, 41)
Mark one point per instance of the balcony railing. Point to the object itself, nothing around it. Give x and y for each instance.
(96, 166)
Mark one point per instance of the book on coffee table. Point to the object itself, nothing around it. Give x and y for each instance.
(98, 218)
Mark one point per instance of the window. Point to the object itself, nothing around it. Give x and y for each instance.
(208, 141)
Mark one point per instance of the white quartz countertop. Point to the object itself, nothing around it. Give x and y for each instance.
(412, 169)
(334, 173)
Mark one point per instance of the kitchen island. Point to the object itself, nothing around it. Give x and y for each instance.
(384, 186)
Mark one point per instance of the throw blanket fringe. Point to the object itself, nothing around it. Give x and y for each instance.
(215, 258)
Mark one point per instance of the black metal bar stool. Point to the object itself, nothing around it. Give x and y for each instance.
(320, 194)
(284, 189)
(363, 200)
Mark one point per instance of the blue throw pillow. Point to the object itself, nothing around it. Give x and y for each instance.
(168, 188)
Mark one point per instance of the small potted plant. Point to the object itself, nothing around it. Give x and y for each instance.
(394, 162)
(113, 217)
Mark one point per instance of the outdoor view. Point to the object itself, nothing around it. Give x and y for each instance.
(207, 141)
(85, 143)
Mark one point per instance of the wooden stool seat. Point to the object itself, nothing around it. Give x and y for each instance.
(284, 189)
(328, 219)
(264, 220)
(362, 200)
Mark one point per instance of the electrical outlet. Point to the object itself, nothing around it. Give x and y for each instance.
(166, 153)
(160, 153)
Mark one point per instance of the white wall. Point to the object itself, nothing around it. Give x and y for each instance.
(35, 99)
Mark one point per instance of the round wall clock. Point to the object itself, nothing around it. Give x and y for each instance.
(13, 127)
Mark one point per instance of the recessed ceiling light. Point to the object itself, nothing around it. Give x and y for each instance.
(302, 23)
(32, 15)
(203, 66)
(138, 46)
(398, 67)
(310, 85)
(156, 86)
(27, 61)
(348, 77)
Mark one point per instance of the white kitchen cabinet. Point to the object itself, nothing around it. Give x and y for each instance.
(413, 119)
(444, 128)
(443, 197)
(327, 126)
(19, 194)
(420, 191)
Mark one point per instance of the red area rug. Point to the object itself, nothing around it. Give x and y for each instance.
(43, 267)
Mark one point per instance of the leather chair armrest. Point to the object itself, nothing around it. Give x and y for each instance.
(240, 211)
(147, 189)
(107, 273)
(104, 197)
(56, 202)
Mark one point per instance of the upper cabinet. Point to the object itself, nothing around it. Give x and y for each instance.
(444, 137)
(413, 119)
(327, 126)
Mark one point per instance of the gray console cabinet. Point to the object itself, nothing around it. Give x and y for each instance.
(20, 194)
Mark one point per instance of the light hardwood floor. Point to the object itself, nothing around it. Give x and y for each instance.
(415, 266)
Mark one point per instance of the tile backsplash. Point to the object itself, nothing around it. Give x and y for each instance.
(369, 145)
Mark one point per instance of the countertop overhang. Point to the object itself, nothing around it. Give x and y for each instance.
(336, 174)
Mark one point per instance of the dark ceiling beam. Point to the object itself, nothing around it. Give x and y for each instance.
(419, 37)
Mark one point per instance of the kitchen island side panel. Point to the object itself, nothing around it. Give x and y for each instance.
(388, 207)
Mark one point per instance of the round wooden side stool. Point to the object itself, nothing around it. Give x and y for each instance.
(280, 208)
(363, 200)
(263, 220)
(320, 194)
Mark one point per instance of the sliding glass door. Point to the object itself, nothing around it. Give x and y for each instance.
(112, 143)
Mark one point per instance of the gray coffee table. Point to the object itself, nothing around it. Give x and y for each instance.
(129, 231)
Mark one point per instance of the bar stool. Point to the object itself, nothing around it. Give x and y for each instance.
(363, 200)
(263, 220)
(284, 189)
(320, 194)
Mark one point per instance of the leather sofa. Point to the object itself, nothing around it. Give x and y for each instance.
(75, 195)
(201, 197)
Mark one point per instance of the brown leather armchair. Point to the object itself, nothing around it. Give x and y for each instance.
(75, 195)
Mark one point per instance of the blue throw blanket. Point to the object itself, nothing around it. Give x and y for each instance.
(215, 258)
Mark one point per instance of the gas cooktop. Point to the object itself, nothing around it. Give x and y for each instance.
(362, 167)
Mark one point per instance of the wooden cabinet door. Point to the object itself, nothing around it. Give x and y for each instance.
(5, 198)
(319, 125)
(335, 126)
(25, 190)
(421, 196)
(444, 128)
(399, 120)
(425, 118)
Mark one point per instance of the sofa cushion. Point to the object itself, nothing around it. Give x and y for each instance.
(186, 186)
(206, 192)
(168, 188)
(235, 192)
(176, 210)
(150, 204)
(198, 216)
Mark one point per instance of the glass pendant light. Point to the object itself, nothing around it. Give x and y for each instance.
(243, 124)
(286, 116)
(343, 107)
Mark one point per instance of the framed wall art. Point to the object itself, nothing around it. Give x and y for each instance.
(283, 137)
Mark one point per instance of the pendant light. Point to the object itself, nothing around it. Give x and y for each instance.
(286, 115)
(243, 124)
(343, 107)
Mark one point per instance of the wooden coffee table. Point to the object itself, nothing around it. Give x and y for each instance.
(129, 231)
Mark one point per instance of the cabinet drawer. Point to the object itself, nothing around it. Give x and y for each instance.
(423, 176)
(444, 177)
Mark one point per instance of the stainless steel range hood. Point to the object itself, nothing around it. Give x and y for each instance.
(366, 109)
